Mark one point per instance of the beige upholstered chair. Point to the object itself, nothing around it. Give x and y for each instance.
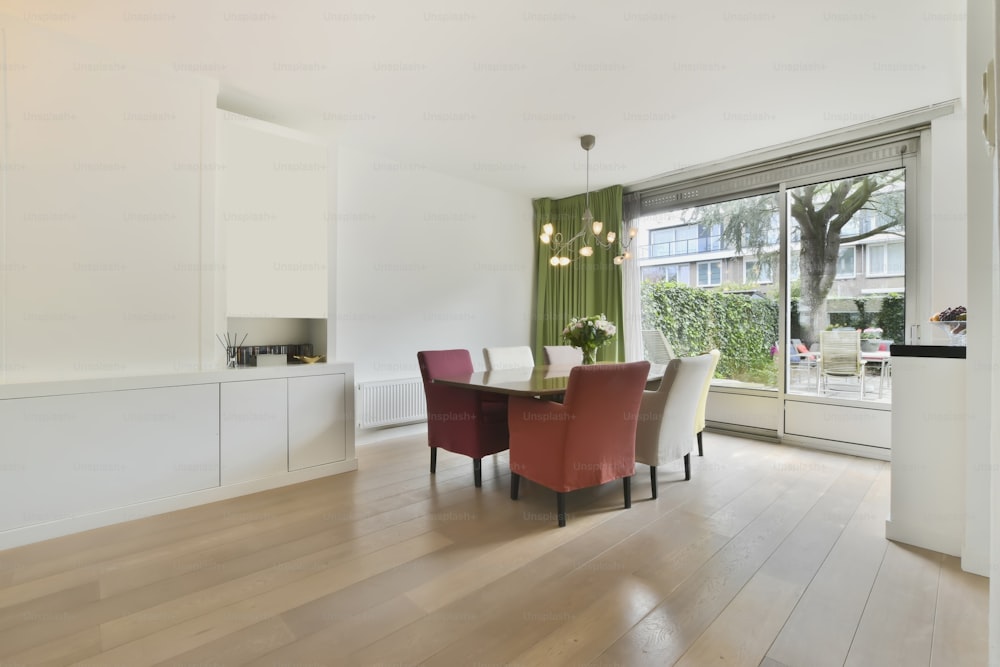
(840, 356)
(699, 419)
(563, 355)
(666, 428)
(658, 350)
(504, 358)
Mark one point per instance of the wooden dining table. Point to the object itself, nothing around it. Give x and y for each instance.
(541, 381)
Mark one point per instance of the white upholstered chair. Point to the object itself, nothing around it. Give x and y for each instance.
(563, 355)
(699, 419)
(504, 358)
(666, 428)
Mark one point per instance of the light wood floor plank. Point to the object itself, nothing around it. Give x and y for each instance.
(960, 618)
(764, 557)
(667, 632)
(743, 632)
(230, 618)
(237, 648)
(820, 630)
(897, 626)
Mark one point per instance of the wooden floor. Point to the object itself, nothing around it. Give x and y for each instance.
(771, 555)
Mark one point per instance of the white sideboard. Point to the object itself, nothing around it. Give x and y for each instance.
(80, 454)
(927, 497)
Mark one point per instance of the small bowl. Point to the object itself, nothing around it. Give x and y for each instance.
(309, 360)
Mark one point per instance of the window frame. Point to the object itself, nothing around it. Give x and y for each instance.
(708, 263)
(854, 263)
(884, 245)
(746, 278)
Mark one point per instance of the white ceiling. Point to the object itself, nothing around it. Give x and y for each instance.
(499, 92)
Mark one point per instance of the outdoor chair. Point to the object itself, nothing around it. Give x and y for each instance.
(658, 350)
(840, 357)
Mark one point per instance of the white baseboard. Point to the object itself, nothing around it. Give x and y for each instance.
(372, 435)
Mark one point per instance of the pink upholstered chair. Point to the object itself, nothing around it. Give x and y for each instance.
(462, 421)
(587, 440)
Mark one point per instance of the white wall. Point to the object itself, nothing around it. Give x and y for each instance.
(426, 261)
(102, 214)
(981, 284)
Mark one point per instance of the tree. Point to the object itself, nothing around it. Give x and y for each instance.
(819, 217)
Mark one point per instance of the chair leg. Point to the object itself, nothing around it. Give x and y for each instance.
(561, 508)
(627, 483)
(701, 452)
(687, 466)
(477, 471)
(515, 484)
(434, 459)
(652, 479)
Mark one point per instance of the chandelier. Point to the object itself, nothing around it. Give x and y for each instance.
(591, 232)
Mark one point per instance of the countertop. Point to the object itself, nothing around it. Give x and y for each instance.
(928, 351)
(129, 382)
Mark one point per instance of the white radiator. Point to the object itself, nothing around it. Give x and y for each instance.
(391, 402)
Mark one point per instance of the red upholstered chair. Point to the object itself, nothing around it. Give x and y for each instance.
(586, 440)
(462, 421)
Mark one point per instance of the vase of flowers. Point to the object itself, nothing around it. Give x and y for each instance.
(870, 339)
(589, 334)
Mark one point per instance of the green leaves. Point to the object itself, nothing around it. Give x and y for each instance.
(694, 320)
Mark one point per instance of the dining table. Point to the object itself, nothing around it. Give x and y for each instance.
(537, 381)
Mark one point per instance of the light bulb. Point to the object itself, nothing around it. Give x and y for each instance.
(618, 260)
(611, 237)
(545, 238)
(548, 229)
(586, 251)
(554, 261)
(627, 255)
(597, 227)
(632, 233)
(563, 261)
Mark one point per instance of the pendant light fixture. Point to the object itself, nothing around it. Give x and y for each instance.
(591, 230)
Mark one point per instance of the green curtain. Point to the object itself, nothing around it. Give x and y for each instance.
(589, 285)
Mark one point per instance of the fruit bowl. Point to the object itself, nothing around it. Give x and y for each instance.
(955, 329)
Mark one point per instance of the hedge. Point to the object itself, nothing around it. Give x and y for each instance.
(741, 326)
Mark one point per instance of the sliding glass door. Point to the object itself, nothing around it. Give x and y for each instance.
(711, 275)
(846, 283)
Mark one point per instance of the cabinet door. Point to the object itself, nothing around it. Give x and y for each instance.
(66, 456)
(254, 426)
(317, 421)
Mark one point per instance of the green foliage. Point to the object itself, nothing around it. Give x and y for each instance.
(864, 318)
(742, 327)
(892, 318)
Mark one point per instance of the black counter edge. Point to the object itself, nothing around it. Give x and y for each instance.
(928, 351)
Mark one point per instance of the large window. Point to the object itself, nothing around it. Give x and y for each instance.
(756, 271)
(671, 241)
(709, 274)
(845, 262)
(674, 273)
(822, 216)
(804, 254)
(710, 238)
(885, 259)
